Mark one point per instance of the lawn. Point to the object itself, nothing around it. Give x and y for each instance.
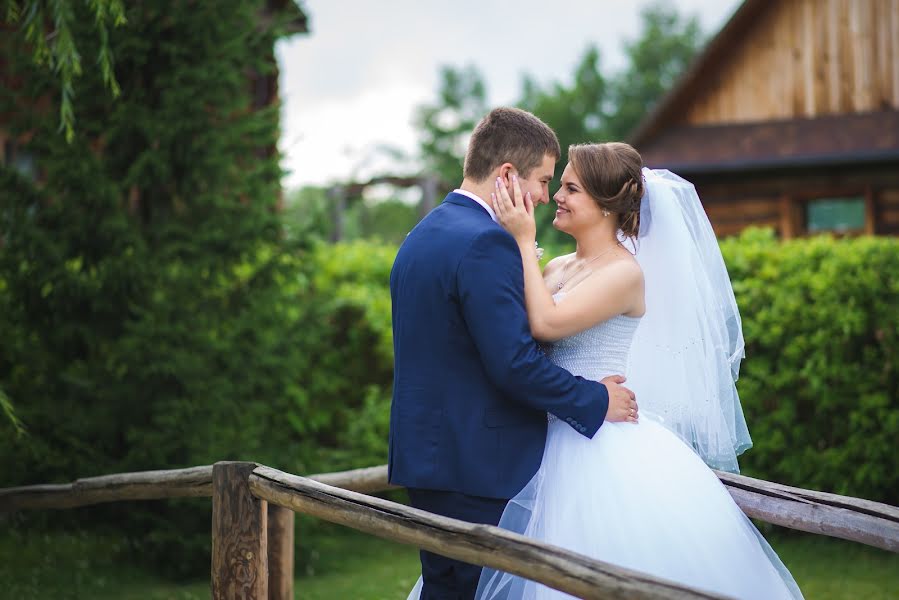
(346, 564)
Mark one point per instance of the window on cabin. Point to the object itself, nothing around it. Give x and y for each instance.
(840, 215)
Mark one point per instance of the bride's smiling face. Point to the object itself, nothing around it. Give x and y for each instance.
(575, 208)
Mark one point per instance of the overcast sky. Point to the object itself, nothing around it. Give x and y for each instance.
(353, 82)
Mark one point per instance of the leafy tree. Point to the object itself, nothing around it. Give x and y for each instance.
(57, 49)
(444, 126)
(665, 48)
(576, 112)
(594, 106)
(150, 305)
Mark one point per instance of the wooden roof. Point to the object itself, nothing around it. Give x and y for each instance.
(829, 140)
(784, 83)
(717, 48)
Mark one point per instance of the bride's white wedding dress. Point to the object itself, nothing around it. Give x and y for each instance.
(636, 496)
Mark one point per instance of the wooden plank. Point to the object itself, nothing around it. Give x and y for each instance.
(870, 211)
(280, 552)
(889, 217)
(777, 490)
(809, 54)
(889, 197)
(860, 23)
(743, 209)
(789, 223)
(847, 72)
(833, 55)
(367, 481)
(894, 54)
(239, 535)
(477, 544)
(810, 517)
(192, 482)
(880, 80)
(820, 63)
(790, 67)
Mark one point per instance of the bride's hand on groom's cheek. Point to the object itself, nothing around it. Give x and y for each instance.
(515, 214)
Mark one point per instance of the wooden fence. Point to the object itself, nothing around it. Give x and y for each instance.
(253, 510)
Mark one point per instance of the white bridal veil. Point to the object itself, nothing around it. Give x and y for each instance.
(686, 352)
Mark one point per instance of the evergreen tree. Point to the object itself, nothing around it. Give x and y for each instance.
(147, 296)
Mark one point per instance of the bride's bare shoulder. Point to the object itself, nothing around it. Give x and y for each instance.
(557, 264)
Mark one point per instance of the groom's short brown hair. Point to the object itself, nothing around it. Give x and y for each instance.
(509, 135)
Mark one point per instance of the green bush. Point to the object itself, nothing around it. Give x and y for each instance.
(820, 384)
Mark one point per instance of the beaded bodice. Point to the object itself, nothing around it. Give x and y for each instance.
(596, 352)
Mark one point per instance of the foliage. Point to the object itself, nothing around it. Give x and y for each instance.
(350, 345)
(820, 385)
(595, 106)
(578, 113)
(150, 302)
(444, 126)
(57, 49)
(9, 412)
(655, 61)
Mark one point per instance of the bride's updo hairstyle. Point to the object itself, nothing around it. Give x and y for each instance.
(612, 174)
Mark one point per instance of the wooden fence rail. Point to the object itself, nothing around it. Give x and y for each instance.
(486, 545)
(253, 524)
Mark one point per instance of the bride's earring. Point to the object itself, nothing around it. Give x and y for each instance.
(605, 213)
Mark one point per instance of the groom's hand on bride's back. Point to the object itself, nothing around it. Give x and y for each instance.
(622, 401)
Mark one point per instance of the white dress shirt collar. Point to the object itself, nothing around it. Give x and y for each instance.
(486, 206)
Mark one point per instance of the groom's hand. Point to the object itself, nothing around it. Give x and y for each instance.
(622, 401)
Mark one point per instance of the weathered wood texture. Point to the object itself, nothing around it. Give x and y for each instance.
(805, 58)
(779, 202)
(144, 485)
(280, 552)
(239, 535)
(366, 481)
(848, 518)
(157, 485)
(478, 544)
(871, 523)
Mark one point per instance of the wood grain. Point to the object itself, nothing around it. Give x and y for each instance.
(478, 544)
(239, 535)
(280, 552)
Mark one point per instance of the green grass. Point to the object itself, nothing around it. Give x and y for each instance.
(828, 568)
(346, 564)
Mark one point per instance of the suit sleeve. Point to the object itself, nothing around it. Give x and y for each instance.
(491, 291)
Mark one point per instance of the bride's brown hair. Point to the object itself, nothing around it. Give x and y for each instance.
(612, 174)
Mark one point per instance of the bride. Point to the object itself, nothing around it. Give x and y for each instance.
(638, 495)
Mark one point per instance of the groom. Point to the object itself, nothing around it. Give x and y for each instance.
(471, 386)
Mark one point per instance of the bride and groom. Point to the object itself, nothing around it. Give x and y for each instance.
(489, 426)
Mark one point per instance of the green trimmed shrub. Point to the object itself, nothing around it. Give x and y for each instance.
(820, 384)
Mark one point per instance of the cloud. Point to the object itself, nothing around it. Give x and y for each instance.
(353, 82)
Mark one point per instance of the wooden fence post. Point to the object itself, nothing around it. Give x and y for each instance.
(280, 552)
(239, 535)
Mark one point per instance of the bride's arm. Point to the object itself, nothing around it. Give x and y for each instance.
(596, 299)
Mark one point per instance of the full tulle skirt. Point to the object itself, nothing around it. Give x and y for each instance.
(636, 496)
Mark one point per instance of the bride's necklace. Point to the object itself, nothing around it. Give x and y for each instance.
(581, 268)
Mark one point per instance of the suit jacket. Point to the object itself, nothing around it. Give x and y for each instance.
(471, 386)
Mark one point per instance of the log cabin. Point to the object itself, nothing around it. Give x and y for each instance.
(789, 119)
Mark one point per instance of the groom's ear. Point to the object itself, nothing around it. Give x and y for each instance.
(506, 170)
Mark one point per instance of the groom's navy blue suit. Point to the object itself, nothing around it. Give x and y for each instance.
(471, 386)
